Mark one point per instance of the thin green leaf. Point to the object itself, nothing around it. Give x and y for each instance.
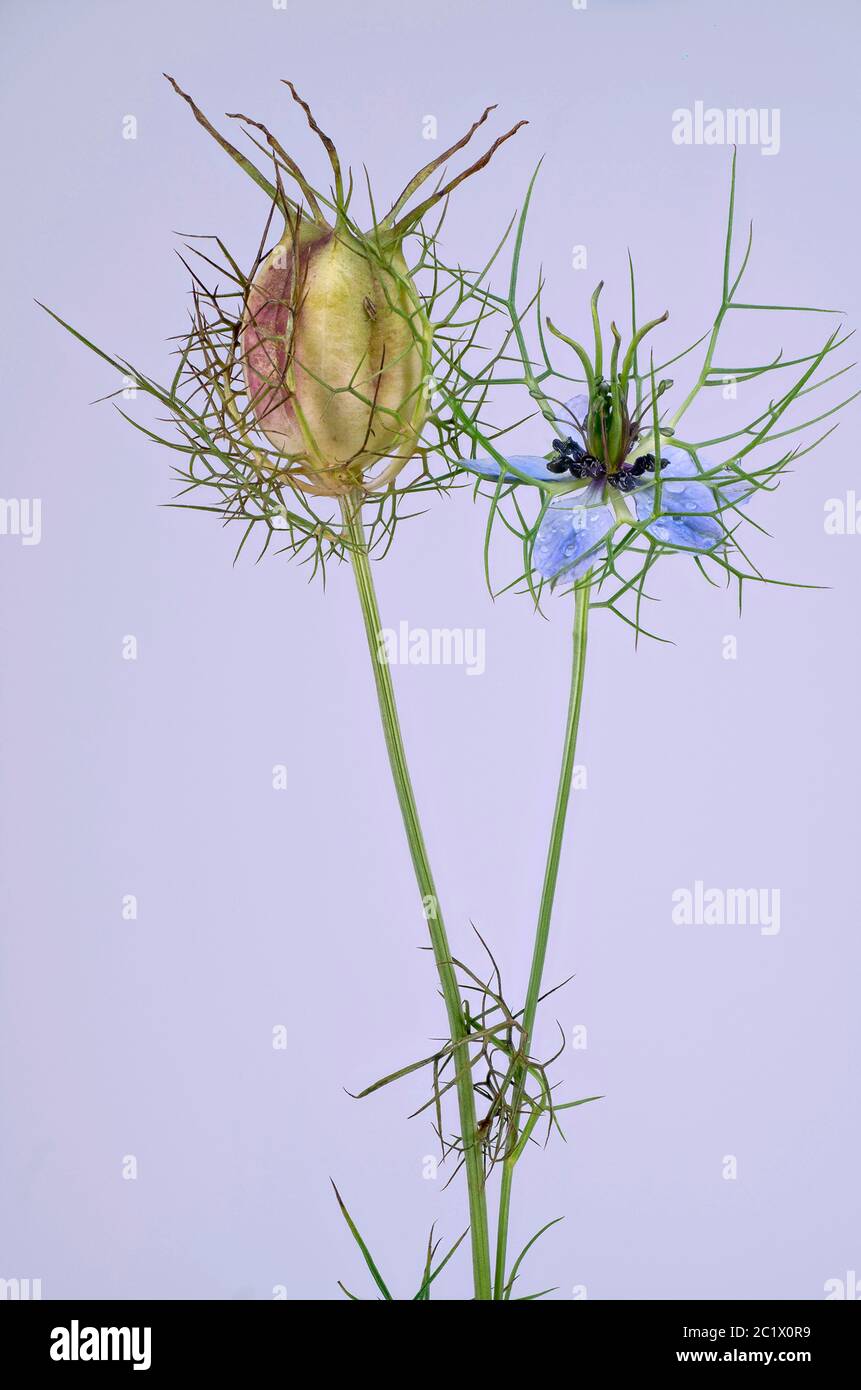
(366, 1254)
(430, 1275)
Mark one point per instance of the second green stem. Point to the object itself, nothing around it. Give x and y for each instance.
(545, 913)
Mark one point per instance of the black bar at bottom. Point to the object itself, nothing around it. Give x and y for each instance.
(154, 1338)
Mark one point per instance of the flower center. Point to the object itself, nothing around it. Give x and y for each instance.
(570, 457)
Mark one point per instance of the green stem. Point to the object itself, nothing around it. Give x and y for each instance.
(472, 1153)
(545, 913)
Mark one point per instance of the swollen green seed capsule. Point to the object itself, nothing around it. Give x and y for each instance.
(336, 349)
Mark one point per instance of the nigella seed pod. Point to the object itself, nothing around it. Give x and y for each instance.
(336, 351)
(334, 341)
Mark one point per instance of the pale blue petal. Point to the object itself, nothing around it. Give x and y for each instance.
(691, 532)
(569, 539)
(689, 499)
(675, 463)
(576, 409)
(531, 464)
(728, 490)
(734, 494)
(688, 504)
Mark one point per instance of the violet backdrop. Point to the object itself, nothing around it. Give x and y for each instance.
(259, 908)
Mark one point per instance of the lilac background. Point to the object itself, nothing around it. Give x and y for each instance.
(259, 908)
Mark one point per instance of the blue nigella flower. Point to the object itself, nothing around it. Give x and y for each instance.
(573, 531)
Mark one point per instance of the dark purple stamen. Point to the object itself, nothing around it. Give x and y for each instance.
(573, 459)
(625, 480)
(569, 457)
